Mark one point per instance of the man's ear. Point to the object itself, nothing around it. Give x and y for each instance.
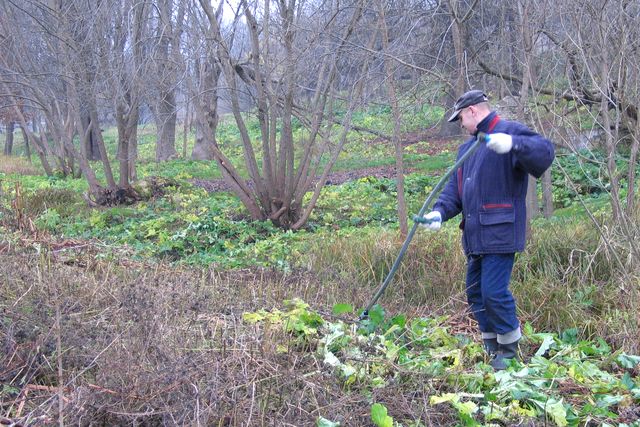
(473, 110)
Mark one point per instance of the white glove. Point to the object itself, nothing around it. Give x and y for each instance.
(499, 142)
(434, 221)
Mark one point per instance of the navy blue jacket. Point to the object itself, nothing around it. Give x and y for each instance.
(490, 188)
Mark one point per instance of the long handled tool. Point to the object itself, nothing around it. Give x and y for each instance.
(418, 218)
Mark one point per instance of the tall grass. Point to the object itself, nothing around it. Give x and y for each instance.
(430, 271)
(17, 165)
(566, 278)
(123, 342)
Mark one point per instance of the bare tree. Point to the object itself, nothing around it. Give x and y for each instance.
(390, 70)
(461, 14)
(282, 40)
(164, 70)
(202, 88)
(125, 68)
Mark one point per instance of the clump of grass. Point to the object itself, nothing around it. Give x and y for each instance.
(430, 273)
(568, 277)
(17, 165)
(123, 343)
(120, 342)
(62, 200)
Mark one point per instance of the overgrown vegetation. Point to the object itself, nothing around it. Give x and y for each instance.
(161, 286)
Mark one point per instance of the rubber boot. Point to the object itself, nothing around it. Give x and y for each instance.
(505, 353)
(491, 346)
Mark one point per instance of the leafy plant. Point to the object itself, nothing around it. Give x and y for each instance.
(379, 415)
(370, 357)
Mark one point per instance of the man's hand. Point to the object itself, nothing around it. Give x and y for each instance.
(433, 221)
(499, 142)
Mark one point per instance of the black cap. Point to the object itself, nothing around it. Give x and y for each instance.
(472, 97)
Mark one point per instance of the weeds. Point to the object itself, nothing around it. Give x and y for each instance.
(17, 165)
(90, 341)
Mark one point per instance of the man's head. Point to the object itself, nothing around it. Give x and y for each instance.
(470, 109)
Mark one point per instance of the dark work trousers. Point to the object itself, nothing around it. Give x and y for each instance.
(489, 296)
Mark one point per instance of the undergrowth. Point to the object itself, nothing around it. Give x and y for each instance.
(16, 165)
(221, 348)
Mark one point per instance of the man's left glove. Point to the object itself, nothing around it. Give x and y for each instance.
(432, 221)
(499, 142)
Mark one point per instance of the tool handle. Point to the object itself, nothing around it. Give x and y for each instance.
(481, 137)
(422, 220)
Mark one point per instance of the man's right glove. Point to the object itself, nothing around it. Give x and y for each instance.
(433, 221)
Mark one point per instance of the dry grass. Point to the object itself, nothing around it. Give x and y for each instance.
(86, 341)
(89, 341)
(17, 165)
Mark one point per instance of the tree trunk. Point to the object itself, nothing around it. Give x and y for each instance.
(203, 148)
(165, 115)
(25, 138)
(531, 203)
(98, 143)
(92, 150)
(166, 57)
(127, 123)
(547, 194)
(8, 145)
(206, 109)
(185, 128)
(27, 144)
(397, 123)
(459, 35)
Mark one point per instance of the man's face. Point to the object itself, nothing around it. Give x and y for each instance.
(468, 119)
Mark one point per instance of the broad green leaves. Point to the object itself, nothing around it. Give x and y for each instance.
(379, 416)
(565, 382)
(342, 309)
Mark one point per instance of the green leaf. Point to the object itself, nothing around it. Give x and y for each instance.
(253, 317)
(627, 381)
(628, 361)
(323, 422)
(379, 416)
(445, 397)
(331, 359)
(546, 344)
(466, 408)
(608, 400)
(399, 320)
(342, 308)
(376, 314)
(556, 410)
(570, 336)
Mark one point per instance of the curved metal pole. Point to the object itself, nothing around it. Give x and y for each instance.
(418, 218)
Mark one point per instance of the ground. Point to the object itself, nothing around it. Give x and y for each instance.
(436, 145)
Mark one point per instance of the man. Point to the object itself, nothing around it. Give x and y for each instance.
(490, 190)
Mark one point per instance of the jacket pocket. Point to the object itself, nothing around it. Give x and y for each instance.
(497, 227)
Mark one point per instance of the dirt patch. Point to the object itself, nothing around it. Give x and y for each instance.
(335, 178)
(435, 145)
